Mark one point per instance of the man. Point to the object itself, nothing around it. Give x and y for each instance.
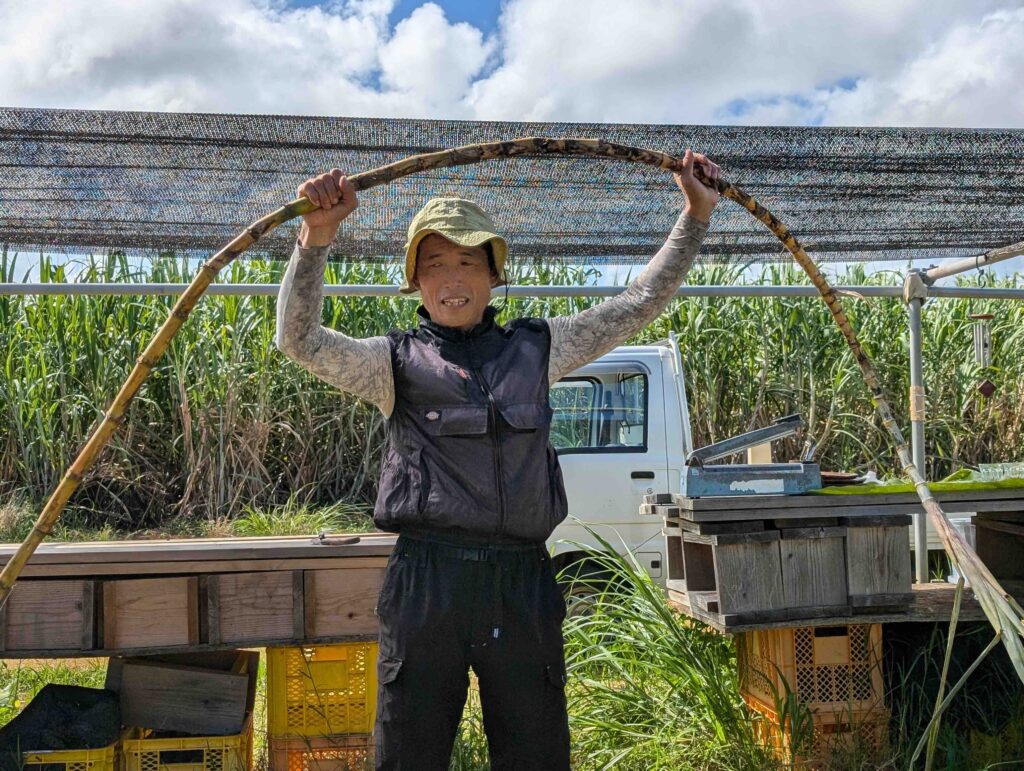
(470, 481)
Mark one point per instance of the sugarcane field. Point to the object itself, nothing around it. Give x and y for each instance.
(513, 385)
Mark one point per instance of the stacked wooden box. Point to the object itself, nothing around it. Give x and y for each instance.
(321, 704)
(999, 542)
(161, 596)
(764, 559)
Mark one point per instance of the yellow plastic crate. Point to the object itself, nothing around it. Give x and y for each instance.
(189, 753)
(102, 759)
(830, 737)
(329, 753)
(321, 690)
(828, 668)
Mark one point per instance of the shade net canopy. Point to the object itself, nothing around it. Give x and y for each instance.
(146, 182)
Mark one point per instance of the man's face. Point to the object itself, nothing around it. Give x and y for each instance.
(455, 281)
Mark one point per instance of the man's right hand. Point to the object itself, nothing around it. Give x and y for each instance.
(336, 197)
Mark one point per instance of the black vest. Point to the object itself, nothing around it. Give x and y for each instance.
(468, 449)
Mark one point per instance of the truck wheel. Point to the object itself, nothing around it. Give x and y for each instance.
(582, 582)
(580, 596)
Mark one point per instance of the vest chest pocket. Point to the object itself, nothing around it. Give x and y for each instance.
(457, 420)
(526, 416)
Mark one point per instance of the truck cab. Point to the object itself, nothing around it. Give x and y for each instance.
(621, 430)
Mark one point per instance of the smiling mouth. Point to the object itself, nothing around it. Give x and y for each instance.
(454, 302)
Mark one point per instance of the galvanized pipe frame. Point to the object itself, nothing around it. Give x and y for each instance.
(389, 290)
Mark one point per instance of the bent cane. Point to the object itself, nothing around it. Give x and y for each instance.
(1001, 609)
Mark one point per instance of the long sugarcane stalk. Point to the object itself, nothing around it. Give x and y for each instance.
(1000, 608)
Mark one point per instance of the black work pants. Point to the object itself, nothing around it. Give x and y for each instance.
(446, 607)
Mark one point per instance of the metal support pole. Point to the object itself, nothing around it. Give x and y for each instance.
(915, 292)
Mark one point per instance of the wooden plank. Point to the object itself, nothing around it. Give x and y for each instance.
(89, 589)
(891, 520)
(758, 618)
(1000, 500)
(253, 606)
(706, 601)
(298, 605)
(878, 560)
(932, 603)
(192, 609)
(201, 550)
(1010, 528)
(132, 569)
(791, 522)
(153, 650)
(150, 612)
(1005, 516)
(748, 576)
(891, 600)
(813, 570)
(172, 697)
(341, 602)
(717, 528)
(212, 614)
(676, 585)
(726, 539)
(51, 614)
(658, 498)
(817, 531)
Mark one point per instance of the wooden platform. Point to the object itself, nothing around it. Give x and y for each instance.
(753, 507)
(931, 603)
(163, 596)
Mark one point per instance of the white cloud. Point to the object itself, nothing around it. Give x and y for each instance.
(232, 55)
(859, 62)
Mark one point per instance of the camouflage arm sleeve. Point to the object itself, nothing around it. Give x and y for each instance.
(584, 336)
(361, 367)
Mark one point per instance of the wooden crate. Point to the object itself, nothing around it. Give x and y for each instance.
(813, 580)
(999, 542)
(150, 612)
(793, 564)
(201, 692)
(827, 740)
(340, 603)
(735, 576)
(325, 753)
(829, 669)
(878, 561)
(261, 607)
(49, 616)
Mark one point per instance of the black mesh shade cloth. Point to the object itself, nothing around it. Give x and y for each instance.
(75, 180)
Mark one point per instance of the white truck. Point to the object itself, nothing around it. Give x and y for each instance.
(622, 429)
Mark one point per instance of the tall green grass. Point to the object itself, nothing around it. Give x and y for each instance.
(226, 422)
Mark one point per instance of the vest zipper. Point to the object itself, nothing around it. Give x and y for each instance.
(493, 408)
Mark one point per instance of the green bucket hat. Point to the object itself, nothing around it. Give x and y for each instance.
(460, 221)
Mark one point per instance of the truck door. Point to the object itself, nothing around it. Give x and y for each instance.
(610, 438)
